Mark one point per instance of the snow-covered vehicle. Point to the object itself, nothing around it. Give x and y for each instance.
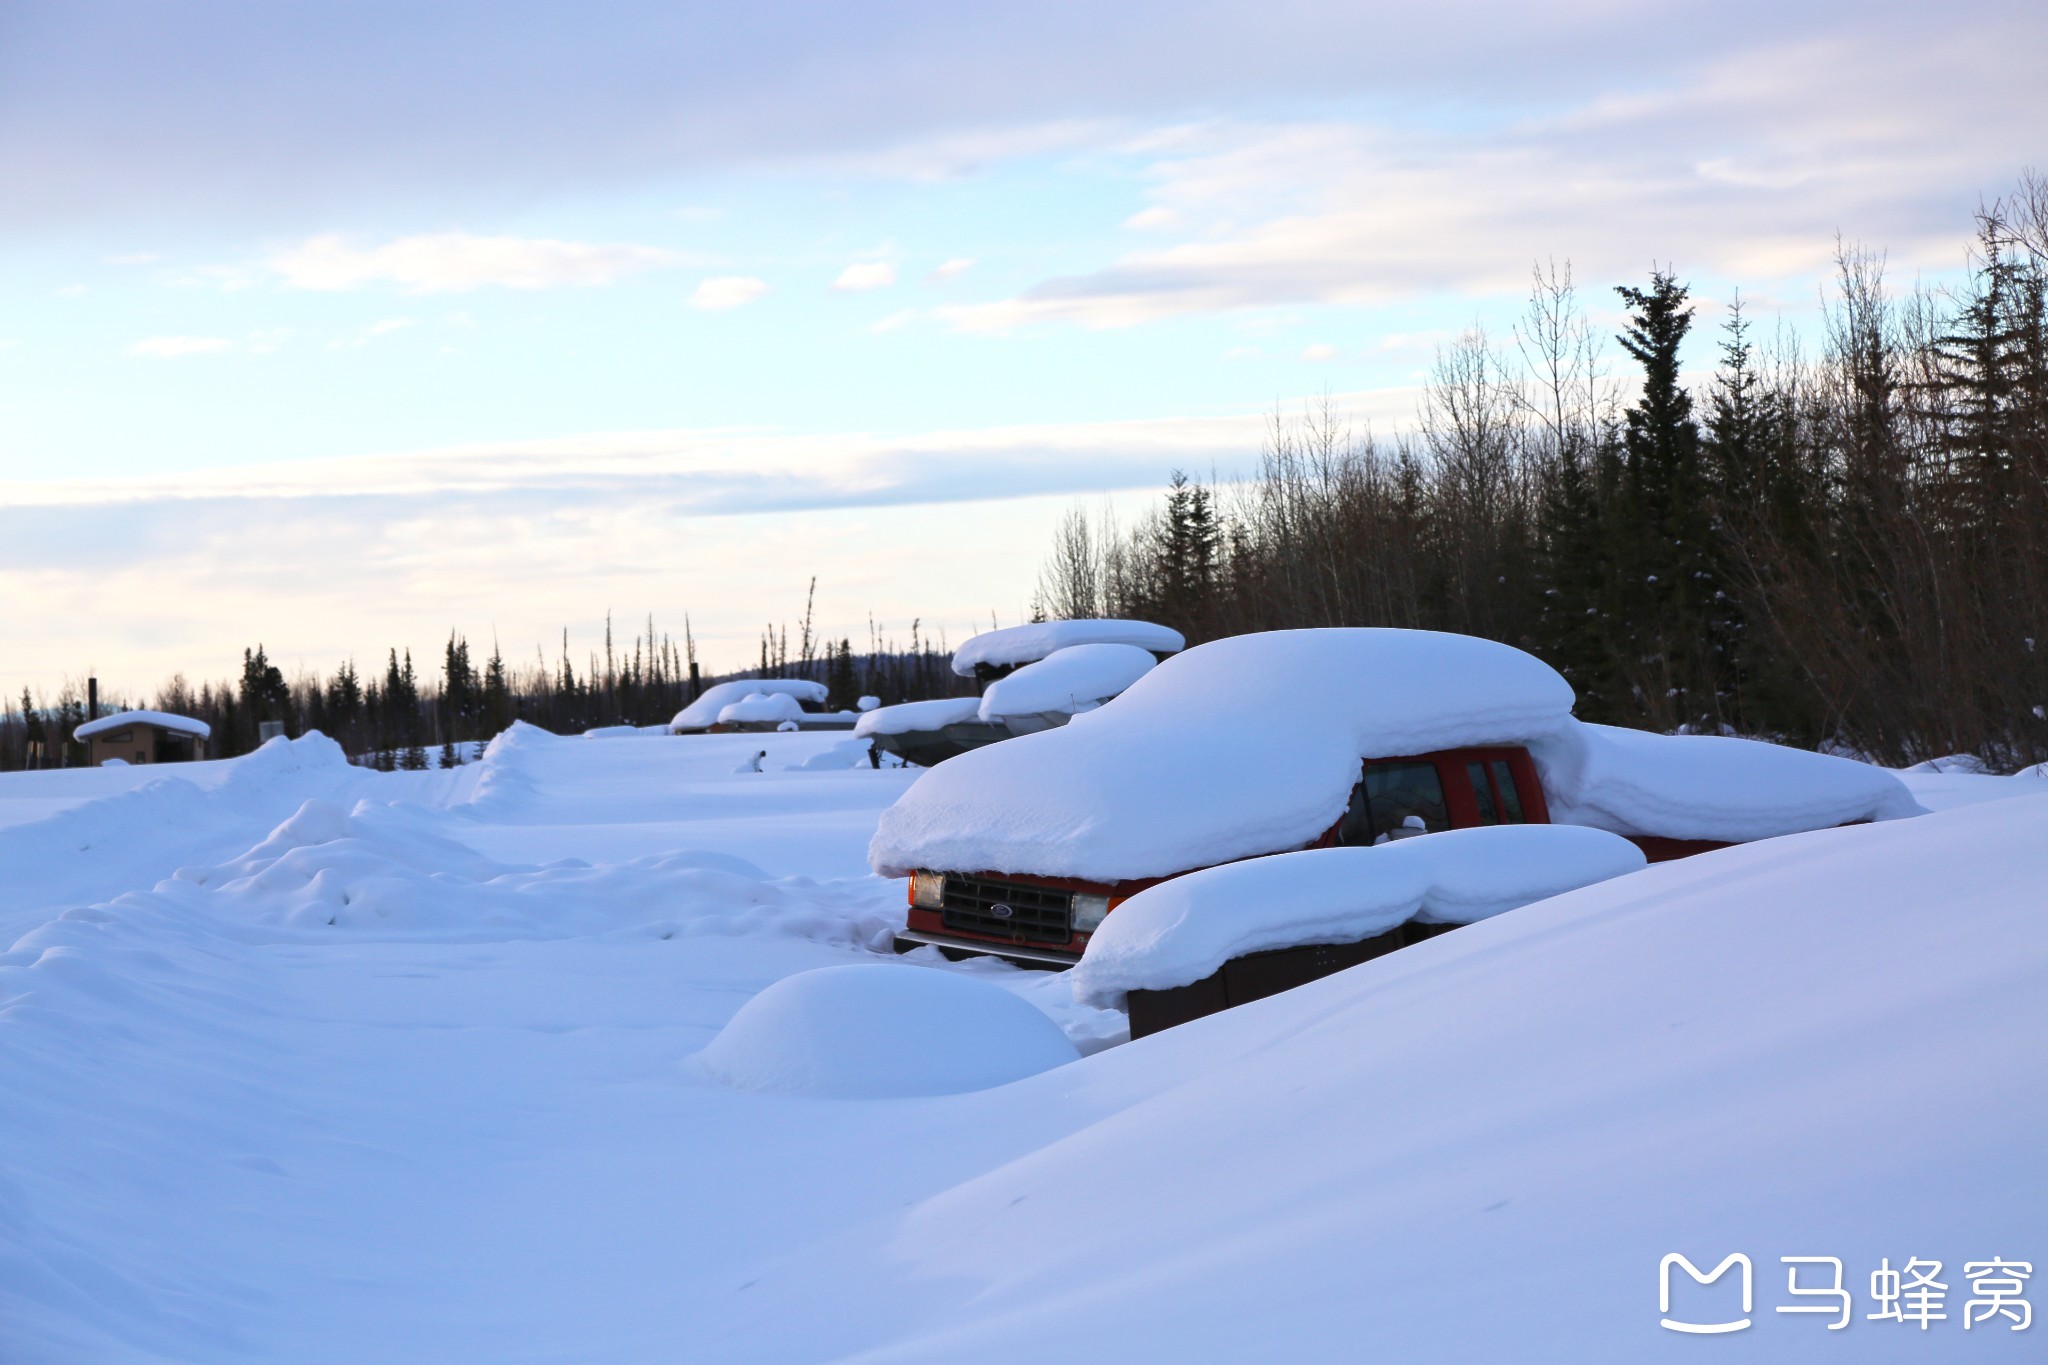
(1290, 740)
(759, 704)
(1033, 677)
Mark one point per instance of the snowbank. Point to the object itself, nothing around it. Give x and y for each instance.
(881, 1031)
(1076, 678)
(1023, 644)
(761, 708)
(1238, 747)
(1179, 931)
(1706, 786)
(702, 713)
(917, 715)
(184, 725)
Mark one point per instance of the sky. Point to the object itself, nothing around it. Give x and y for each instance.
(340, 326)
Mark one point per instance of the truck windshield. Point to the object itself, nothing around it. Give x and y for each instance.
(1388, 797)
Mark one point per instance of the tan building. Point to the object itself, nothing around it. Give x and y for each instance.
(143, 737)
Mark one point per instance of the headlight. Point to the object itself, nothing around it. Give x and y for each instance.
(1089, 912)
(928, 890)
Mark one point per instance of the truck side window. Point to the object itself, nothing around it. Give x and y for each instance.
(1396, 791)
(1510, 798)
(1482, 793)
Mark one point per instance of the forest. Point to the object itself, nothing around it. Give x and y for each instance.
(1845, 547)
(404, 715)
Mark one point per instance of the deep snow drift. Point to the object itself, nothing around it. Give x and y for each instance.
(465, 1120)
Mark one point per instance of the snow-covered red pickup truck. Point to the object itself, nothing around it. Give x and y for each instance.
(1267, 743)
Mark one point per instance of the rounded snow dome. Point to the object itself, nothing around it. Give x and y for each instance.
(883, 1031)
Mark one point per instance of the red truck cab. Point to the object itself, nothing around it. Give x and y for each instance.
(1047, 921)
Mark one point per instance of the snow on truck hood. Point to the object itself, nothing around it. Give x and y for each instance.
(1251, 745)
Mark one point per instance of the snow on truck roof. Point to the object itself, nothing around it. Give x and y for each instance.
(905, 717)
(1025, 644)
(163, 720)
(1070, 680)
(1251, 745)
(702, 713)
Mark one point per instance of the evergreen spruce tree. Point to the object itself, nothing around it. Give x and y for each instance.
(497, 695)
(1664, 580)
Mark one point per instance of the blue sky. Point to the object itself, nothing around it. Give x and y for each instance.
(342, 325)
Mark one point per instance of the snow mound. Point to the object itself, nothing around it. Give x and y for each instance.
(1706, 786)
(1179, 931)
(761, 708)
(1238, 747)
(702, 713)
(1023, 644)
(1066, 681)
(1968, 764)
(846, 753)
(883, 1031)
(184, 725)
(917, 715)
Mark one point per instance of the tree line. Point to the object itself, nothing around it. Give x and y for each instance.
(409, 716)
(1847, 547)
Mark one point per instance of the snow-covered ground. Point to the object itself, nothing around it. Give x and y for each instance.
(304, 1062)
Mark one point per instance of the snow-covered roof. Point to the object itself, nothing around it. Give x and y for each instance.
(907, 716)
(761, 707)
(1251, 745)
(1181, 930)
(1076, 678)
(1023, 644)
(1241, 746)
(1706, 786)
(702, 713)
(163, 720)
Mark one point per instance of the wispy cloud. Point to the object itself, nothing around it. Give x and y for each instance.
(865, 275)
(722, 293)
(171, 348)
(1320, 351)
(1744, 167)
(452, 262)
(958, 266)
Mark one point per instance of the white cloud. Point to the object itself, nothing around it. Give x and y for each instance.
(134, 258)
(68, 291)
(722, 293)
(1319, 351)
(900, 318)
(170, 348)
(447, 262)
(865, 275)
(959, 265)
(1743, 169)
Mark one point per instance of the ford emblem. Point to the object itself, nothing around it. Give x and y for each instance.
(1001, 911)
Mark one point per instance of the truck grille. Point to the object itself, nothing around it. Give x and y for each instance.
(1038, 914)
